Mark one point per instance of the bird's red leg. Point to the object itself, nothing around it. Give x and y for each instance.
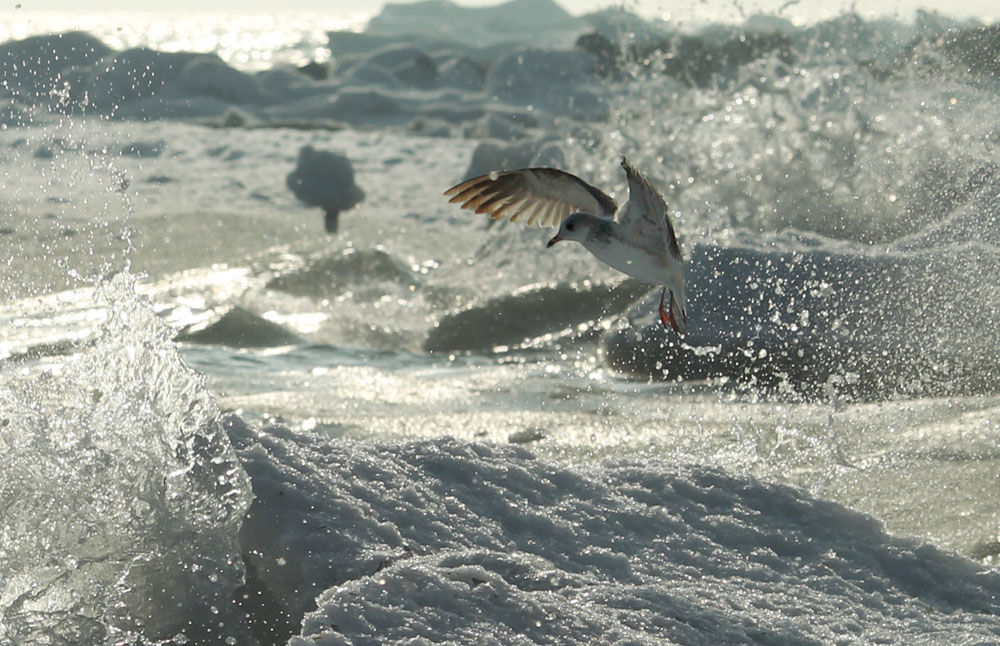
(667, 315)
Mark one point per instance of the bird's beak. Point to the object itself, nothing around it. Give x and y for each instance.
(554, 240)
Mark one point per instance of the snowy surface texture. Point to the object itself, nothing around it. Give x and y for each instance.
(453, 543)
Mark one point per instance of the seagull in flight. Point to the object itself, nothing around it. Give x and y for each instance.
(635, 238)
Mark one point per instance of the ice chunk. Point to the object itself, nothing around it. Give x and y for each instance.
(875, 316)
(365, 73)
(409, 64)
(209, 76)
(563, 82)
(491, 156)
(395, 65)
(350, 269)
(359, 104)
(461, 73)
(519, 21)
(239, 328)
(284, 83)
(130, 75)
(31, 67)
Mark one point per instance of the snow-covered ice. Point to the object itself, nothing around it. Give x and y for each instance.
(451, 542)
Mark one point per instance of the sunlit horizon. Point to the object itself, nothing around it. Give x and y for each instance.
(723, 10)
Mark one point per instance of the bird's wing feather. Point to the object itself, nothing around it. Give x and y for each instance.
(542, 196)
(647, 213)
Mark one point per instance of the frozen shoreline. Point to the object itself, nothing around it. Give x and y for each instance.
(425, 428)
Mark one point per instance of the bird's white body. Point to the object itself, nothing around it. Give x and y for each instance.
(643, 265)
(646, 263)
(637, 238)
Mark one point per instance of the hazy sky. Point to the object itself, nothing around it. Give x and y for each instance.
(979, 8)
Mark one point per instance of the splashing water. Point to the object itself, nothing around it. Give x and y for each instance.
(121, 492)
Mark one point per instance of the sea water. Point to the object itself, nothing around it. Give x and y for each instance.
(221, 425)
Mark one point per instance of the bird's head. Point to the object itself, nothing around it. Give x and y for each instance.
(575, 227)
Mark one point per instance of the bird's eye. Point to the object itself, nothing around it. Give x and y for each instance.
(569, 226)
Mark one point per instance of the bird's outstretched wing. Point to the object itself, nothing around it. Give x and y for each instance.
(646, 215)
(542, 196)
